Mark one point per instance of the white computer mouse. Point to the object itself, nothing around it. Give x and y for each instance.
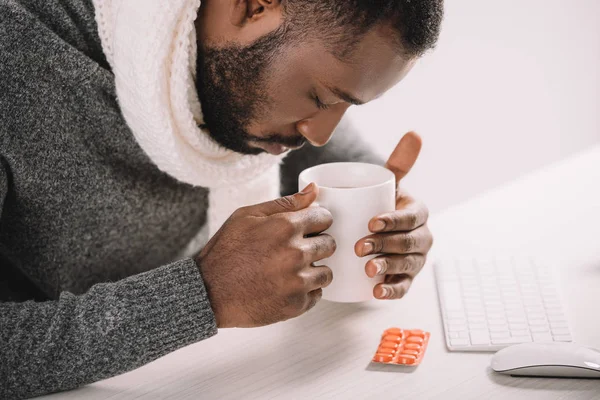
(552, 360)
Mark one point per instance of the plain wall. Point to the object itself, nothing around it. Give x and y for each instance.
(512, 86)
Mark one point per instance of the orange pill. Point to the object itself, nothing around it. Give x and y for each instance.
(392, 338)
(416, 332)
(389, 345)
(406, 360)
(414, 339)
(383, 358)
(412, 346)
(410, 352)
(394, 331)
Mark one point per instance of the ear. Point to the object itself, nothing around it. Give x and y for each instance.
(245, 11)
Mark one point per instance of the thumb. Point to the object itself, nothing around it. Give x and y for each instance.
(293, 202)
(404, 155)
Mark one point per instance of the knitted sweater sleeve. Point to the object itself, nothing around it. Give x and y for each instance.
(115, 327)
(346, 145)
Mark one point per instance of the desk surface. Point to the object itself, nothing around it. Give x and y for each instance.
(554, 212)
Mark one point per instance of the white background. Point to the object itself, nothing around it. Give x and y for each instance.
(512, 85)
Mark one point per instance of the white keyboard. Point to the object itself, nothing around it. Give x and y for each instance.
(491, 303)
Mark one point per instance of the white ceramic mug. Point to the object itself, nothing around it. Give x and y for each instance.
(353, 193)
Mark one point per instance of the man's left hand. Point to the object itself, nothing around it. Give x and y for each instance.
(401, 237)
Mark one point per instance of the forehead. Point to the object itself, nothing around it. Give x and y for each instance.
(373, 67)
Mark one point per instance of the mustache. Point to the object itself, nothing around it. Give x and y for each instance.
(287, 141)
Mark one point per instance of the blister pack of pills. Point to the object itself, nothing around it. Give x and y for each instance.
(402, 346)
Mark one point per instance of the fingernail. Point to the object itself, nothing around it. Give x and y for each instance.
(308, 189)
(367, 248)
(379, 225)
(385, 292)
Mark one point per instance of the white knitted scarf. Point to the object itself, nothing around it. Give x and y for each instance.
(151, 47)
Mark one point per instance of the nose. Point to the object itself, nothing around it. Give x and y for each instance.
(319, 128)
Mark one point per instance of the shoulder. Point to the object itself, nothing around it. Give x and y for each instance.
(69, 23)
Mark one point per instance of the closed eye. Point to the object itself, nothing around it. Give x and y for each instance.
(320, 104)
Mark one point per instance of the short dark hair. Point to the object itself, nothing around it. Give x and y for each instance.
(414, 24)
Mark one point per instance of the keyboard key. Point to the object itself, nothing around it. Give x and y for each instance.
(560, 331)
(556, 318)
(477, 326)
(539, 328)
(542, 337)
(476, 319)
(523, 339)
(514, 327)
(480, 337)
(538, 322)
(460, 342)
(522, 332)
(559, 324)
(511, 340)
(456, 328)
(563, 338)
(499, 335)
(517, 320)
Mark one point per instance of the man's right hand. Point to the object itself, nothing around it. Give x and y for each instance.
(257, 267)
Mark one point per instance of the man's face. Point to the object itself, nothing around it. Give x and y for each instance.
(270, 94)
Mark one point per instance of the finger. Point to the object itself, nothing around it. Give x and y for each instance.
(312, 220)
(404, 155)
(313, 299)
(294, 202)
(403, 199)
(318, 247)
(417, 241)
(316, 277)
(410, 265)
(408, 218)
(394, 287)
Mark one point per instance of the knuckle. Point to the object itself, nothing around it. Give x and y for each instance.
(409, 243)
(286, 225)
(429, 238)
(316, 248)
(286, 202)
(240, 212)
(313, 298)
(321, 279)
(424, 212)
(329, 275)
(326, 216)
(412, 220)
(419, 264)
(400, 292)
(330, 244)
(296, 254)
(405, 265)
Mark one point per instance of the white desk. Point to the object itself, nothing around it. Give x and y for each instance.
(326, 353)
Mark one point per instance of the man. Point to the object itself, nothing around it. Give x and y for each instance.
(109, 168)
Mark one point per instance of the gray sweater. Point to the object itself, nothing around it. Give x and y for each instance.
(88, 225)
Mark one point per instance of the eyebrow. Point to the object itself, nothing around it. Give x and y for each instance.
(345, 96)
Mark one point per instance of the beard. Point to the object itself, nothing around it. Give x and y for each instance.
(232, 88)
